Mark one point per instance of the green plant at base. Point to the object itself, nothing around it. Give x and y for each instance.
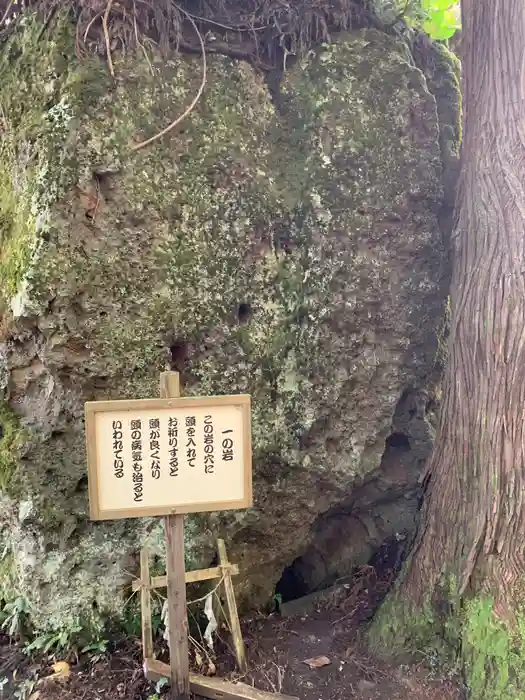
(97, 650)
(25, 690)
(277, 601)
(131, 620)
(53, 642)
(162, 683)
(15, 615)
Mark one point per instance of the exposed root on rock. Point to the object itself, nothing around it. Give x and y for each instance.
(258, 31)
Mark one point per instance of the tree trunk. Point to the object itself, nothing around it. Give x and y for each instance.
(473, 522)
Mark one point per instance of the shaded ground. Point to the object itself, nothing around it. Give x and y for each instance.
(277, 649)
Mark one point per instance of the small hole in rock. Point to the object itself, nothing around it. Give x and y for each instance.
(82, 484)
(244, 312)
(1, 431)
(178, 354)
(291, 585)
(398, 441)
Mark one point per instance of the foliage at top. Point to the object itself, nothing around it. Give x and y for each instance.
(441, 18)
(260, 31)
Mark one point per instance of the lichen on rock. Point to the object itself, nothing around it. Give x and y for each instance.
(284, 245)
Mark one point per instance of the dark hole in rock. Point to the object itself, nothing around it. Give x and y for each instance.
(381, 571)
(1, 431)
(398, 441)
(244, 312)
(82, 484)
(178, 354)
(291, 585)
(283, 240)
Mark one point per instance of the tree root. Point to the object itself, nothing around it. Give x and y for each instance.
(170, 127)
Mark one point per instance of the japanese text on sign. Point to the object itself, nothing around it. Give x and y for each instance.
(168, 455)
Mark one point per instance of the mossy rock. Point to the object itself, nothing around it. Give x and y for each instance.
(460, 636)
(315, 213)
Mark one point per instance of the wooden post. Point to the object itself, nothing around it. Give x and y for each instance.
(145, 605)
(175, 571)
(231, 604)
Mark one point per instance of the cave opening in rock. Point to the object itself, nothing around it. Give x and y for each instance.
(398, 441)
(291, 585)
(380, 571)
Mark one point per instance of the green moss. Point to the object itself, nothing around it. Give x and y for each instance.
(442, 71)
(44, 93)
(15, 236)
(429, 631)
(493, 654)
(459, 636)
(10, 443)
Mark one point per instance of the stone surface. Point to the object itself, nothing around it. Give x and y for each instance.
(283, 245)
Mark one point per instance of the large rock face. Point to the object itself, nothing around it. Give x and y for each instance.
(286, 246)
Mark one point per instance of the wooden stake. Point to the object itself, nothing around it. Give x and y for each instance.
(214, 688)
(231, 604)
(175, 571)
(145, 605)
(196, 576)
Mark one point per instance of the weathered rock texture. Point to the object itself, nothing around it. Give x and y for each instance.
(286, 246)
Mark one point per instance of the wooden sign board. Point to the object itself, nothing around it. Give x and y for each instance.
(153, 457)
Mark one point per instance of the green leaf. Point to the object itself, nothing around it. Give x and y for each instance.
(442, 18)
(442, 4)
(433, 5)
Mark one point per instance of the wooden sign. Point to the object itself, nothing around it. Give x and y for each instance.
(168, 456)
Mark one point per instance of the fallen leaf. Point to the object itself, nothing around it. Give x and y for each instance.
(61, 672)
(62, 669)
(317, 662)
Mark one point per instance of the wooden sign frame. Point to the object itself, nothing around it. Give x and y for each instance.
(186, 403)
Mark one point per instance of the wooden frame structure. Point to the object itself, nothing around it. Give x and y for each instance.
(214, 688)
(225, 572)
(181, 681)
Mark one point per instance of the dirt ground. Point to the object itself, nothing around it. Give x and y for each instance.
(277, 647)
(277, 651)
